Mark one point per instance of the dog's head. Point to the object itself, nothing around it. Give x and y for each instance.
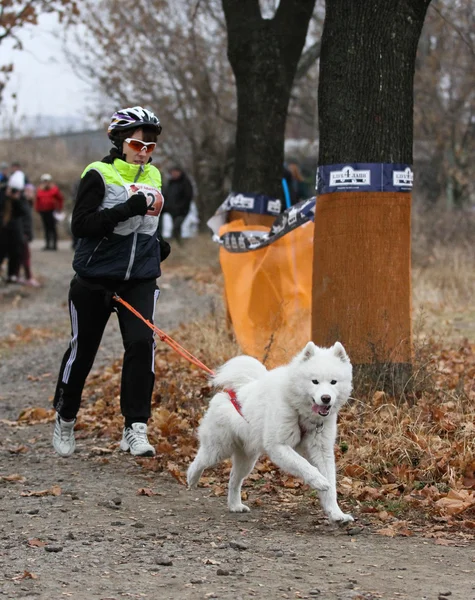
(321, 379)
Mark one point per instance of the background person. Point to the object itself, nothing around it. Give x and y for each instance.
(48, 201)
(301, 190)
(115, 219)
(12, 213)
(178, 195)
(4, 170)
(29, 195)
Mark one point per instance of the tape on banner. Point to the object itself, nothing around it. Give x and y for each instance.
(289, 220)
(259, 204)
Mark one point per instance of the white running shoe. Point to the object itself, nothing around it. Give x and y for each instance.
(135, 439)
(63, 436)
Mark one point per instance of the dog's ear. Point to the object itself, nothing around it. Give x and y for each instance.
(340, 352)
(308, 351)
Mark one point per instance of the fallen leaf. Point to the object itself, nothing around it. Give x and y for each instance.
(210, 561)
(36, 543)
(100, 450)
(379, 396)
(18, 449)
(145, 492)
(354, 471)
(14, 478)
(174, 470)
(55, 490)
(387, 531)
(469, 524)
(36, 414)
(24, 575)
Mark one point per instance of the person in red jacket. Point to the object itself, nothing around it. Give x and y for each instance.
(49, 200)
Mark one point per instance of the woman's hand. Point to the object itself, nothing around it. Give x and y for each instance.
(137, 205)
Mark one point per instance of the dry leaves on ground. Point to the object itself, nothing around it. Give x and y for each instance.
(54, 490)
(408, 465)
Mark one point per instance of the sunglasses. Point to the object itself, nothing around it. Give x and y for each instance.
(139, 145)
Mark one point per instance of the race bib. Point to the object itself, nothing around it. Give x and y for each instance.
(154, 197)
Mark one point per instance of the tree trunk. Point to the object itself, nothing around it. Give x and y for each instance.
(362, 277)
(212, 166)
(264, 54)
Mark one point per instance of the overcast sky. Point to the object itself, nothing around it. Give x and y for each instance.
(42, 79)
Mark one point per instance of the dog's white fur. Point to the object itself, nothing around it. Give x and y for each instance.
(283, 415)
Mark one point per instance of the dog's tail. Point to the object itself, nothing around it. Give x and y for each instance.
(238, 371)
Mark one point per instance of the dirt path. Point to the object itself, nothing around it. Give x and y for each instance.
(97, 539)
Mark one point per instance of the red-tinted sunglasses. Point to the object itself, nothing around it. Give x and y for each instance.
(139, 145)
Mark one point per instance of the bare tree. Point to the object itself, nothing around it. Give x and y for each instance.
(170, 56)
(16, 14)
(264, 54)
(302, 119)
(445, 103)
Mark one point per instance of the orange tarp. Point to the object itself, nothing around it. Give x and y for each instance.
(268, 293)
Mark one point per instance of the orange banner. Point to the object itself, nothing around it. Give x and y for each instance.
(268, 293)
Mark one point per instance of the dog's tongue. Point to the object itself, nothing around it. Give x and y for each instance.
(321, 410)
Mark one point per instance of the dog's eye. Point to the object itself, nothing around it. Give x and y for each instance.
(315, 381)
(333, 381)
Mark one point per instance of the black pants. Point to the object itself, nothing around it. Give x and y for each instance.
(177, 223)
(49, 227)
(11, 247)
(89, 311)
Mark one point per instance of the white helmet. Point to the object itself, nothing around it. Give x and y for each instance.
(132, 118)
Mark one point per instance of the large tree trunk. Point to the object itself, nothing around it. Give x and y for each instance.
(264, 54)
(362, 278)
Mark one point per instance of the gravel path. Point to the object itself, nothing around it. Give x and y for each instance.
(93, 536)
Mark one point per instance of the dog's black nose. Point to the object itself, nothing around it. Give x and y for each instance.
(326, 399)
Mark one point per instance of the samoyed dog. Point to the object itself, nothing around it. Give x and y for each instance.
(289, 413)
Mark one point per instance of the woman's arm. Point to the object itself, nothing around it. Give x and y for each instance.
(87, 220)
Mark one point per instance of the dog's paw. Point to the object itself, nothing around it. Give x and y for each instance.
(239, 508)
(340, 517)
(192, 478)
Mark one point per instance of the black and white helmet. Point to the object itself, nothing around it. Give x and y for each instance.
(132, 118)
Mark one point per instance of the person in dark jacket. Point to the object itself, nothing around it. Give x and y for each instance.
(301, 189)
(178, 196)
(115, 219)
(13, 211)
(4, 171)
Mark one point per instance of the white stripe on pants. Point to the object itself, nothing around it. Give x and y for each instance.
(155, 298)
(73, 343)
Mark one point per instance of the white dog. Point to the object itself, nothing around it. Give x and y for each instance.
(289, 413)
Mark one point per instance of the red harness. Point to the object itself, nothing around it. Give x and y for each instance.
(234, 401)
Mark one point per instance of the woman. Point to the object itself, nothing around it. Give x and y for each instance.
(13, 210)
(115, 219)
(49, 200)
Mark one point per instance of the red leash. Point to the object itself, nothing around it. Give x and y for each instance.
(165, 338)
(179, 349)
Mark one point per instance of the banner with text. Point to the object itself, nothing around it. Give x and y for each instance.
(364, 177)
